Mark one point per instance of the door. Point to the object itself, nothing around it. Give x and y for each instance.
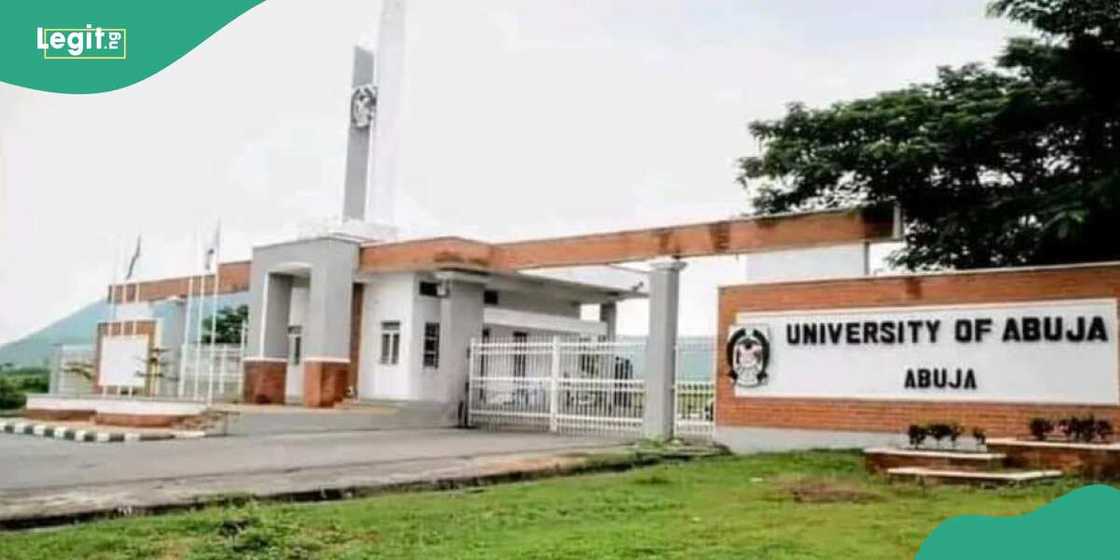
(293, 382)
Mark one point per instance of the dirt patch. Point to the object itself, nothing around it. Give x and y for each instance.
(830, 492)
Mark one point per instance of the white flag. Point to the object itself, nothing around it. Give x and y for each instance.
(212, 249)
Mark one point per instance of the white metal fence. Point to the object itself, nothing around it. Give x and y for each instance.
(208, 374)
(580, 386)
(66, 364)
(694, 392)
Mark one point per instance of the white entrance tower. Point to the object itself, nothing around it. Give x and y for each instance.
(374, 132)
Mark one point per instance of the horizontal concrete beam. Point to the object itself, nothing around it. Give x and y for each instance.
(725, 237)
(427, 254)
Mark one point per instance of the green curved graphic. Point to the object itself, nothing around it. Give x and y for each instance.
(95, 46)
(1079, 525)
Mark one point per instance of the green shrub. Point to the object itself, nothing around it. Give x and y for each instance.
(11, 397)
(15, 383)
(1040, 428)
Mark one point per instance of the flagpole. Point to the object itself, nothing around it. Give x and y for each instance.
(198, 343)
(198, 335)
(186, 328)
(214, 316)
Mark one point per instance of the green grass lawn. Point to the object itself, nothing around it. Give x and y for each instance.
(802, 505)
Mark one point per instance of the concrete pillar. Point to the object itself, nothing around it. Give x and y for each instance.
(329, 263)
(326, 338)
(270, 296)
(265, 362)
(608, 313)
(460, 321)
(660, 375)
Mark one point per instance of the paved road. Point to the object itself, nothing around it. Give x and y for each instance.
(30, 463)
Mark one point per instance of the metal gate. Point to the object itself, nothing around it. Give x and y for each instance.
(572, 385)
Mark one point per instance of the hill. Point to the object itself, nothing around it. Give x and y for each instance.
(78, 327)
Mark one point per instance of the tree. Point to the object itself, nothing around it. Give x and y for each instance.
(1013, 165)
(228, 328)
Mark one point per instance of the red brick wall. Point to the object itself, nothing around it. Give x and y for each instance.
(138, 420)
(998, 419)
(324, 383)
(233, 277)
(265, 381)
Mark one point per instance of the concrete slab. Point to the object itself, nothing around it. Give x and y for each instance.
(973, 477)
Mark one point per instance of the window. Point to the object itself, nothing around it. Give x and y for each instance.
(519, 340)
(295, 344)
(482, 364)
(490, 297)
(430, 289)
(431, 345)
(390, 342)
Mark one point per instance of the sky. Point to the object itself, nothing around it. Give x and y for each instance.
(521, 119)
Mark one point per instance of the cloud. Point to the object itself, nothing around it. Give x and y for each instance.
(523, 119)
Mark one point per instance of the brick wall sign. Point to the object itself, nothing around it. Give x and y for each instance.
(1053, 352)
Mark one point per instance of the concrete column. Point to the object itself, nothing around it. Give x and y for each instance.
(266, 349)
(330, 264)
(326, 335)
(269, 300)
(660, 375)
(608, 313)
(460, 321)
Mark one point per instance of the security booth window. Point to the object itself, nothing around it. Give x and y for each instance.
(431, 345)
(520, 341)
(295, 344)
(490, 297)
(390, 342)
(430, 289)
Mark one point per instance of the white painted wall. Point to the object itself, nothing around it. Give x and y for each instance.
(526, 320)
(841, 261)
(297, 315)
(396, 297)
(122, 357)
(429, 383)
(115, 406)
(389, 297)
(301, 291)
(538, 302)
(1040, 371)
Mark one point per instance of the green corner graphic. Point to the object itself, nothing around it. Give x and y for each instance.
(1079, 525)
(102, 45)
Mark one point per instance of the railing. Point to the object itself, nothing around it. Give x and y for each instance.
(694, 393)
(580, 386)
(208, 374)
(557, 384)
(66, 363)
